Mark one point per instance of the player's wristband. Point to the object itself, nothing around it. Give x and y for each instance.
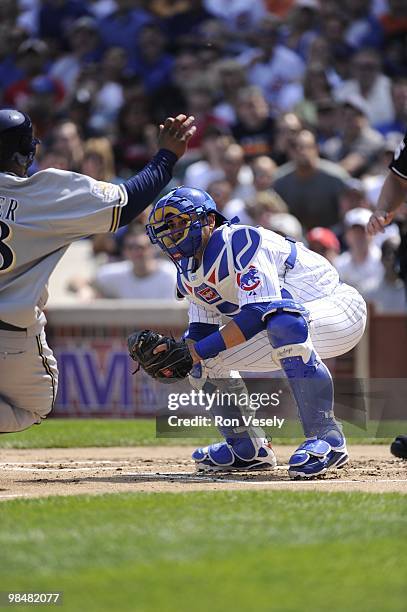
(210, 346)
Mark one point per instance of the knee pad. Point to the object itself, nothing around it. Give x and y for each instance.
(289, 336)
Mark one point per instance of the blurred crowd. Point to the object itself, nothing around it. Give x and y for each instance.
(299, 106)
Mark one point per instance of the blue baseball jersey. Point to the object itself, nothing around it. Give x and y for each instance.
(243, 265)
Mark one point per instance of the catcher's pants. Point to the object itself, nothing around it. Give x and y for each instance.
(336, 324)
(28, 378)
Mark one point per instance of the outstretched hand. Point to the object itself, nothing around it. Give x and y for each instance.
(175, 134)
(378, 221)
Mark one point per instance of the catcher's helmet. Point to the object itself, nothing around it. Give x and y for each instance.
(176, 222)
(16, 137)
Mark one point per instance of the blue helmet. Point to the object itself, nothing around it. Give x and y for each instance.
(176, 222)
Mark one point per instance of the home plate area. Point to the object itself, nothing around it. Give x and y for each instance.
(44, 472)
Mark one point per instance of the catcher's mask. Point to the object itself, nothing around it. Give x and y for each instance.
(176, 224)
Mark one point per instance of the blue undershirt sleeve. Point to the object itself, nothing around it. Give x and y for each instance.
(144, 187)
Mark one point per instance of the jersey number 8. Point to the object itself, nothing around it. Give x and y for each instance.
(7, 256)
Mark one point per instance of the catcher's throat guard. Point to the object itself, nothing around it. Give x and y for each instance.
(172, 363)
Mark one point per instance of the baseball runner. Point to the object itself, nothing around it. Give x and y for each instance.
(288, 311)
(392, 196)
(40, 216)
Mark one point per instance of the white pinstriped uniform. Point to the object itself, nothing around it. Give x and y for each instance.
(337, 312)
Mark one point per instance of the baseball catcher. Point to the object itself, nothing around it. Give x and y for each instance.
(287, 311)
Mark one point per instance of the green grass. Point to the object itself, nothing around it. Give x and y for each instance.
(67, 433)
(274, 551)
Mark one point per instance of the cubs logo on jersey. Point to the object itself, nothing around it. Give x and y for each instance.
(250, 280)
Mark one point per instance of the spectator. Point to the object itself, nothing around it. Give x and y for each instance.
(284, 224)
(356, 196)
(254, 129)
(288, 126)
(237, 15)
(374, 178)
(167, 100)
(101, 8)
(140, 276)
(84, 44)
(152, 62)
(394, 21)
(221, 191)
(320, 52)
(55, 18)
(310, 185)
(302, 27)
(364, 29)
(372, 85)
(200, 98)
(237, 172)
(135, 140)
(389, 296)
(121, 27)
(399, 97)
(333, 24)
(67, 140)
(323, 241)
(316, 87)
(10, 40)
(32, 58)
(109, 98)
(211, 44)
(49, 158)
(79, 110)
(326, 125)
(215, 141)
(263, 169)
(361, 265)
(231, 79)
(187, 19)
(42, 105)
(275, 69)
(251, 211)
(262, 207)
(98, 160)
(358, 145)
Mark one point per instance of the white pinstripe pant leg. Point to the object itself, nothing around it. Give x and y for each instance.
(337, 323)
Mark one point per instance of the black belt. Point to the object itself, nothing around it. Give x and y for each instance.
(9, 327)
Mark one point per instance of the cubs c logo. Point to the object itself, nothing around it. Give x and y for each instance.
(249, 281)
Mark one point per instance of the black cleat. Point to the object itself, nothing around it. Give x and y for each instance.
(399, 447)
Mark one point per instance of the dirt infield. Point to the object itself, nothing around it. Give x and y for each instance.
(42, 472)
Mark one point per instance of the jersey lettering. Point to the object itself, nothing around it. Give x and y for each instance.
(7, 256)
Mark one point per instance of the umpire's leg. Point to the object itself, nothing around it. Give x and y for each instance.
(28, 379)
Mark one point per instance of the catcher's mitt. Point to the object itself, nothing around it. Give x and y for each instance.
(174, 363)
